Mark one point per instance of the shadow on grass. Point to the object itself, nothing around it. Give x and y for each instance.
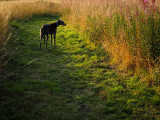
(70, 81)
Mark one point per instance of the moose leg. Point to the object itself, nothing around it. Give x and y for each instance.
(41, 40)
(51, 38)
(55, 39)
(46, 41)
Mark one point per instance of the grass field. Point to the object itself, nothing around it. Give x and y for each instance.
(129, 31)
(106, 65)
(72, 81)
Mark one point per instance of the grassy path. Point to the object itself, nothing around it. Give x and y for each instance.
(69, 82)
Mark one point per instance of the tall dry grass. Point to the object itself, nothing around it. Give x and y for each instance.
(128, 29)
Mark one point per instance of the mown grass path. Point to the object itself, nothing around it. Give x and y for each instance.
(71, 81)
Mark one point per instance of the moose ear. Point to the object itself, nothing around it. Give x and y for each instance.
(59, 21)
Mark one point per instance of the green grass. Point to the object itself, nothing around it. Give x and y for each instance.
(70, 81)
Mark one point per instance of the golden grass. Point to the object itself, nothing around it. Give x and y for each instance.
(21, 9)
